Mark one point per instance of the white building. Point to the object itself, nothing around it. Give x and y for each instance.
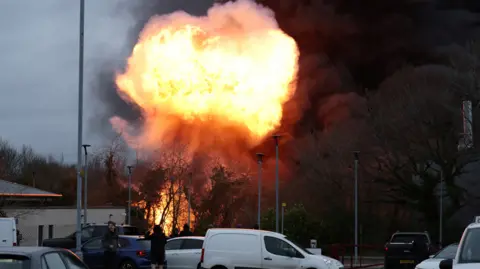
(37, 221)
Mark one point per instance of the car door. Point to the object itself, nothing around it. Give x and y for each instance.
(190, 253)
(172, 249)
(93, 253)
(279, 254)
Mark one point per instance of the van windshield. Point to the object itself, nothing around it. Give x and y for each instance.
(299, 246)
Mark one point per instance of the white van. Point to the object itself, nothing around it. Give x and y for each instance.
(243, 248)
(468, 251)
(8, 232)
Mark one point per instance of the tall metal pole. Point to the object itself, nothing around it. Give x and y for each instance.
(189, 197)
(259, 209)
(356, 205)
(129, 211)
(85, 185)
(80, 130)
(441, 209)
(277, 185)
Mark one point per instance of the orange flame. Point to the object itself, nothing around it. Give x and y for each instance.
(201, 77)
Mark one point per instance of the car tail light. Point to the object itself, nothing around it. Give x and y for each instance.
(14, 243)
(203, 254)
(386, 249)
(141, 253)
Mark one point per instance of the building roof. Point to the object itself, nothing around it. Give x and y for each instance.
(12, 189)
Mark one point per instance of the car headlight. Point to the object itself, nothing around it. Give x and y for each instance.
(332, 264)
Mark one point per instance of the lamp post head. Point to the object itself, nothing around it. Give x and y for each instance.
(276, 137)
(259, 157)
(85, 146)
(355, 155)
(129, 169)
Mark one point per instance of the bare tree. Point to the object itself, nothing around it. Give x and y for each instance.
(417, 122)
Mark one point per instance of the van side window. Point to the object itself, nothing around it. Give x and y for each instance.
(279, 247)
(192, 244)
(174, 244)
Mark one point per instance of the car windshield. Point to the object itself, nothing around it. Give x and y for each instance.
(470, 249)
(447, 253)
(144, 244)
(299, 246)
(14, 262)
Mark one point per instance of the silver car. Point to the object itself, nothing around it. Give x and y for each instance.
(39, 258)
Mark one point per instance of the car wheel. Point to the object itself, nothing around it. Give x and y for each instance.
(127, 265)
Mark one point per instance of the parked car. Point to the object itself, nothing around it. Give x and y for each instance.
(244, 248)
(88, 232)
(133, 253)
(433, 262)
(39, 258)
(184, 252)
(407, 249)
(468, 252)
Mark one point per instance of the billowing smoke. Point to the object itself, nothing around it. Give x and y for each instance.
(344, 46)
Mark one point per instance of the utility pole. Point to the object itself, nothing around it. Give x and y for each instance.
(277, 184)
(259, 210)
(129, 211)
(78, 237)
(190, 176)
(355, 154)
(85, 185)
(33, 179)
(441, 208)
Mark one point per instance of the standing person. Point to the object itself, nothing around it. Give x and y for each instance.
(186, 231)
(157, 247)
(110, 246)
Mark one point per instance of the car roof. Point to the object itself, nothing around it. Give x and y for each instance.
(187, 237)
(26, 250)
(473, 226)
(244, 231)
(131, 236)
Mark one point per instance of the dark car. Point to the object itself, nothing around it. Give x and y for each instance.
(133, 252)
(88, 232)
(407, 249)
(39, 258)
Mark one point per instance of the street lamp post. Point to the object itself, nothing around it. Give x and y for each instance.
(189, 197)
(277, 184)
(129, 211)
(259, 212)
(80, 130)
(355, 154)
(441, 208)
(85, 184)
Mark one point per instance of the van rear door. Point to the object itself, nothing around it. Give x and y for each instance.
(7, 232)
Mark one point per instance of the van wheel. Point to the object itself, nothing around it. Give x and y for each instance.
(127, 265)
(219, 267)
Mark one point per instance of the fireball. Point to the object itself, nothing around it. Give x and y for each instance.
(200, 78)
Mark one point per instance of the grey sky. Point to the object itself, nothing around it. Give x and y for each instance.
(39, 69)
